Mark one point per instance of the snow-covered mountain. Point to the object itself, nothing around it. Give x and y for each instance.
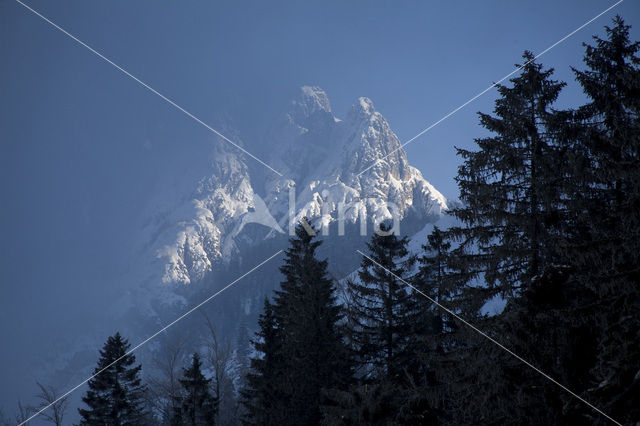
(321, 158)
(210, 222)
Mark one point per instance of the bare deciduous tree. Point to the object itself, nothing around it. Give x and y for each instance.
(220, 357)
(56, 410)
(164, 387)
(24, 412)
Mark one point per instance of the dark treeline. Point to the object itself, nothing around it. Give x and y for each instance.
(548, 228)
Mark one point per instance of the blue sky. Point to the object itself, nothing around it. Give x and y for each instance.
(416, 61)
(81, 144)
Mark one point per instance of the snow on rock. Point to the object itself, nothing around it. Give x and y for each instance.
(322, 158)
(191, 237)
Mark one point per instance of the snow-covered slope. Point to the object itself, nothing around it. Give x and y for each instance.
(185, 239)
(203, 233)
(321, 158)
(203, 217)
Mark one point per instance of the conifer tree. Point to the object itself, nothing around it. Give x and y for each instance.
(196, 406)
(605, 256)
(437, 339)
(115, 394)
(310, 357)
(383, 314)
(307, 312)
(573, 310)
(265, 393)
(568, 264)
(436, 280)
(514, 217)
(608, 138)
(510, 186)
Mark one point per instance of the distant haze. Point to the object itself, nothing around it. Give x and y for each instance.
(84, 150)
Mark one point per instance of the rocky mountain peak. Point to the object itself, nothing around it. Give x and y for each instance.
(362, 109)
(322, 158)
(310, 101)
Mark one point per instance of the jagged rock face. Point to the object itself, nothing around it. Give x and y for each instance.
(203, 231)
(324, 156)
(321, 158)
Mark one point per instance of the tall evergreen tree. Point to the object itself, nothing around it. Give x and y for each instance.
(436, 279)
(562, 249)
(383, 313)
(437, 339)
(509, 186)
(514, 217)
(580, 311)
(306, 317)
(608, 140)
(115, 395)
(265, 393)
(196, 406)
(605, 256)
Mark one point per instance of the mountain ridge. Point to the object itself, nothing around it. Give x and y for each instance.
(321, 157)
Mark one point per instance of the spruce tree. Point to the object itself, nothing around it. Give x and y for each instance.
(567, 265)
(307, 312)
(264, 396)
(436, 279)
(580, 311)
(115, 394)
(514, 223)
(383, 313)
(196, 406)
(608, 137)
(510, 186)
(437, 339)
(310, 356)
(514, 200)
(605, 255)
